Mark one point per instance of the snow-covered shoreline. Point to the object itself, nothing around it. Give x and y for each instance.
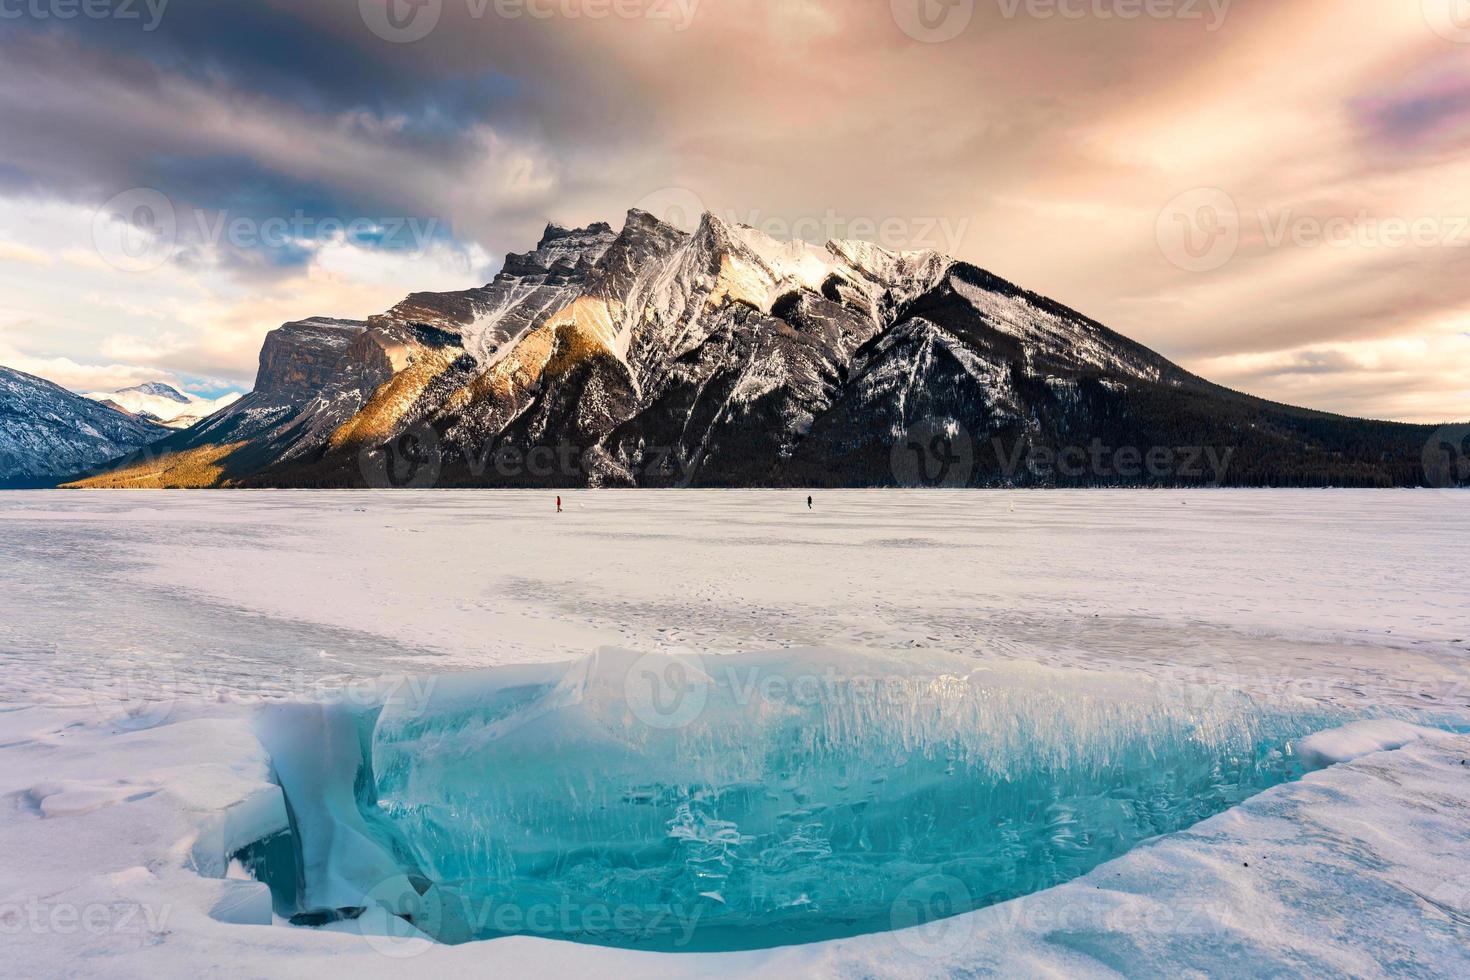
(142, 632)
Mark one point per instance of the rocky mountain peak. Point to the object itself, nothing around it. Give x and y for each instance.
(561, 250)
(727, 357)
(298, 359)
(157, 389)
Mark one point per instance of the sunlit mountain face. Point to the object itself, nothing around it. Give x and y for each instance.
(653, 357)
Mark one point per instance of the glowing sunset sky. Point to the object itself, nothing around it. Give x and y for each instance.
(1274, 193)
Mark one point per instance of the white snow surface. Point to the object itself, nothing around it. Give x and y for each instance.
(133, 690)
(1360, 738)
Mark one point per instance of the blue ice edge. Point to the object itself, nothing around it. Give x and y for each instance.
(710, 804)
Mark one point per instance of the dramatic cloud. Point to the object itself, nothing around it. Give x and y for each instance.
(1276, 194)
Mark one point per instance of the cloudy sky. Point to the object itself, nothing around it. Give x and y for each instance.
(1274, 193)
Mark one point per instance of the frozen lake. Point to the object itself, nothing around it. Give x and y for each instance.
(139, 634)
(251, 592)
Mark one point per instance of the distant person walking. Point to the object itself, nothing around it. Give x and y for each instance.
(558, 504)
(808, 503)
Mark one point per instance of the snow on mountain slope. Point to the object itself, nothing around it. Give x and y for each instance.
(723, 357)
(530, 288)
(47, 432)
(165, 404)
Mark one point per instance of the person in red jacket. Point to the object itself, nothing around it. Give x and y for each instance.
(558, 505)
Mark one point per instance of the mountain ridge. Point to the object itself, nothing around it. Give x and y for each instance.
(652, 356)
(162, 403)
(48, 432)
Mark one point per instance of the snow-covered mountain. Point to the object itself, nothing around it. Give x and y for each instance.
(47, 432)
(655, 357)
(158, 402)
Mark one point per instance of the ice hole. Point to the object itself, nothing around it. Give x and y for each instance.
(726, 803)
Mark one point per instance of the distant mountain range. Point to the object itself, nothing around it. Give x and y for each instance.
(653, 357)
(48, 433)
(164, 404)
